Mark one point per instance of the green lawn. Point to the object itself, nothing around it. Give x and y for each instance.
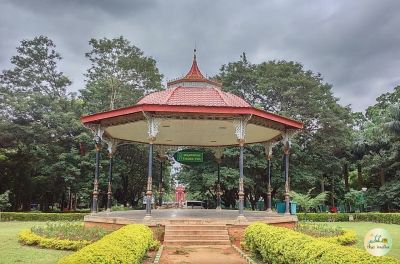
(363, 227)
(13, 252)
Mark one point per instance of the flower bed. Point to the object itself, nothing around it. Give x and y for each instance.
(70, 230)
(328, 233)
(128, 244)
(281, 245)
(61, 235)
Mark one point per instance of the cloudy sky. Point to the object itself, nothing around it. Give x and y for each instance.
(354, 44)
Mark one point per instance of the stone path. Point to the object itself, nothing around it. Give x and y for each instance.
(200, 255)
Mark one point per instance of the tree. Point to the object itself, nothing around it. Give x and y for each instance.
(119, 75)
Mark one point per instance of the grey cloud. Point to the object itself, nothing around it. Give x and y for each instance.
(354, 44)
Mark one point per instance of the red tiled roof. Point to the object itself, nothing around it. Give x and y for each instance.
(194, 96)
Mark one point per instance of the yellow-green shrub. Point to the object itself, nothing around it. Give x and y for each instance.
(126, 245)
(27, 237)
(280, 245)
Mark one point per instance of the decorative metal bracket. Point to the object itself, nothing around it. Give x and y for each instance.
(240, 128)
(98, 133)
(112, 145)
(268, 146)
(286, 136)
(152, 126)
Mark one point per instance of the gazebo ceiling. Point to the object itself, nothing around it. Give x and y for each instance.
(193, 111)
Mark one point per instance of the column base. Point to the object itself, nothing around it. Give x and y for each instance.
(241, 219)
(269, 210)
(147, 219)
(287, 214)
(218, 208)
(108, 210)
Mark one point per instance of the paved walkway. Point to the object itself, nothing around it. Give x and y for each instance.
(201, 255)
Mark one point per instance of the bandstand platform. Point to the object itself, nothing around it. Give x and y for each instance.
(188, 216)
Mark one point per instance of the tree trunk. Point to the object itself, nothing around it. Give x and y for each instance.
(359, 175)
(346, 176)
(333, 192)
(322, 185)
(382, 176)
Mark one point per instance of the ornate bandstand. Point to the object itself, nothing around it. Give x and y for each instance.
(193, 111)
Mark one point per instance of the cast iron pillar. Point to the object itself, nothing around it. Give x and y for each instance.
(152, 132)
(240, 132)
(286, 149)
(149, 192)
(109, 190)
(96, 176)
(269, 190)
(219, 187)
(218, 156)
(160, 182)
(241, 187)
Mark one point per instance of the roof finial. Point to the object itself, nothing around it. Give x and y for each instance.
(194, 51)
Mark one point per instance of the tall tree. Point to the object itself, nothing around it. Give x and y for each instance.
(119, 75)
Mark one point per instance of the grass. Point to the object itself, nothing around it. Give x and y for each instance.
(13, 252)
(361, 228)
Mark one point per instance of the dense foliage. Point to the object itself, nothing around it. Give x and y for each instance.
(126, 245)
(281, 245)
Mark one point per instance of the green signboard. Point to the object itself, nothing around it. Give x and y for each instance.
(189, 156)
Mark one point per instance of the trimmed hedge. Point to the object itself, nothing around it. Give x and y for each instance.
(14, 216)
(27, 237)
(280, 245)
(128, 244)
(387, 218)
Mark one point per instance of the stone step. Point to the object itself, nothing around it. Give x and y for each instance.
(196, 242)
(197, 232)
(195, 227)
(187, 222)
(169, 237)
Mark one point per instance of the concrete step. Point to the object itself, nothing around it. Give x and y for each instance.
(195, 227)
(195, 242)
(197, 232)
(170, 237)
